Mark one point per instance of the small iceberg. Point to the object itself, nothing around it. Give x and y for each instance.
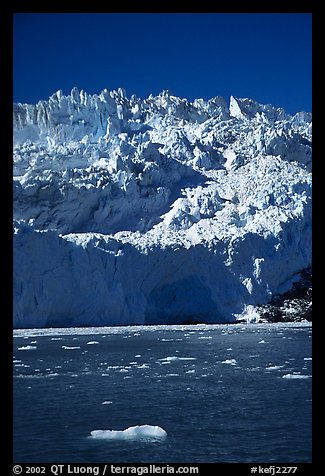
(292, 376)
(175, 358)
(229, 361)
(139, 432)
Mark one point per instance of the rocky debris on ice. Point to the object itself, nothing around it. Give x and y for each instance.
(162, 210)
(293, 306)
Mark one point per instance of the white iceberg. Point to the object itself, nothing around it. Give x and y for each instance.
(295, 376)
(174, 358)
(141, 432)
(229, 361)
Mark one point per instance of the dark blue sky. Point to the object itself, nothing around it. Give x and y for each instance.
(263, 56)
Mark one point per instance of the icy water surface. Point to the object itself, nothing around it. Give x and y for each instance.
(223, 393)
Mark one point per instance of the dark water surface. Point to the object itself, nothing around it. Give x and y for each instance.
(223, 393)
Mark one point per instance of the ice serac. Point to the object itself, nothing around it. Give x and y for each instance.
(157, 210)
(248, 108)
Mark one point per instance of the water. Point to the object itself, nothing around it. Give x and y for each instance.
(223, 393)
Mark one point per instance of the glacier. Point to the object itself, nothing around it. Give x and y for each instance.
(132, 211)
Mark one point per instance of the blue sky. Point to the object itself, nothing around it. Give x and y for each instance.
(263, 56)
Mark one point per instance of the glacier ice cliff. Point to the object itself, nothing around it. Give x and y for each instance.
(161, 210)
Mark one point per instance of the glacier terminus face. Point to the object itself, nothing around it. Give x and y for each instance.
(158, 210)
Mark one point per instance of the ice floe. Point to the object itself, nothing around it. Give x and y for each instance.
(295, 376)
(139, 432)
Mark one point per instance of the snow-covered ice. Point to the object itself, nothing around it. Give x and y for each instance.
(207, 207)
(141, 432)
(274, 367)
(174, 358)
(229, 361)
(295, 376)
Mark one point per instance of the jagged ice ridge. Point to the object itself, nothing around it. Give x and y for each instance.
(130, 211)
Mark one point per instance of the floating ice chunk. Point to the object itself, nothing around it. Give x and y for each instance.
(262, 342)
(229, 361)
(274, 367)
(28, 347)
(308, 358)
(92, 342)
(292, 376)
(169, 359)
(173, 358)
(69, 348)
(139, 432)
(107, 402)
